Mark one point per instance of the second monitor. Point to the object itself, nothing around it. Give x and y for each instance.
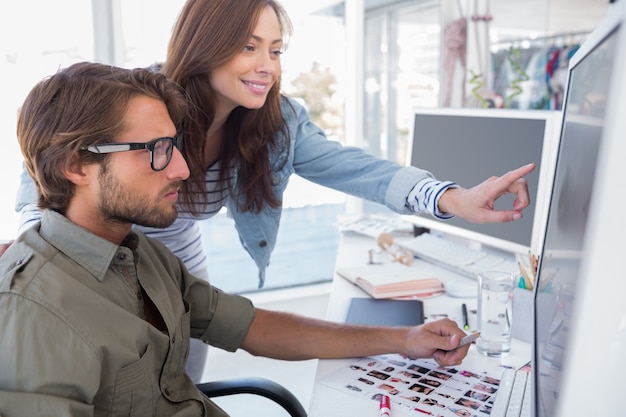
(470, 145)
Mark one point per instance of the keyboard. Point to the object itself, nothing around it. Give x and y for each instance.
(456, 256)
(513, 397)
(373, 225)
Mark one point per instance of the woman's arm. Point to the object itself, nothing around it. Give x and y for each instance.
(353, 171)
(26, 202)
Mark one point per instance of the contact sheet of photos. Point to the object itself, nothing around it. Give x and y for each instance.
(418, 386)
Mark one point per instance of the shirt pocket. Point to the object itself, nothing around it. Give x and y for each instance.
(136, 388)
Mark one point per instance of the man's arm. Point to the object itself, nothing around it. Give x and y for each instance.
(289, 337)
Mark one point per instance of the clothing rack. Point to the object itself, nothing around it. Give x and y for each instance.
(544, 61)
(559, 39)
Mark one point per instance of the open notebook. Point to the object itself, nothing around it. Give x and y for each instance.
(393, 280)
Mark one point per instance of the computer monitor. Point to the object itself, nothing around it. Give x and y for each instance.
(579, 347)
(470, 145)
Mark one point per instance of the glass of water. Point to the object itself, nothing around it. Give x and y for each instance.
(495, 306)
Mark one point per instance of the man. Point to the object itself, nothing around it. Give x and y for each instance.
(96, 319)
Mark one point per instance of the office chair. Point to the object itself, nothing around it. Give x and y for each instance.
(257, 386)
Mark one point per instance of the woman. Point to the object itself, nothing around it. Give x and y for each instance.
(243, 139)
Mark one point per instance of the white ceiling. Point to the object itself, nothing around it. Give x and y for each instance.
(561, 15)
(555, 16)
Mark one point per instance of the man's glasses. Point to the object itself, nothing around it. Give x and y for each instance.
(161, 149)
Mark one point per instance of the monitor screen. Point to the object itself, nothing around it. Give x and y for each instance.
(559, 279)
(470, 145)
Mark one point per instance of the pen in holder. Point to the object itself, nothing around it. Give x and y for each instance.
(528, 273)
(396, 253)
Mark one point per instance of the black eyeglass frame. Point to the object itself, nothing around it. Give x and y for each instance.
(112, 147)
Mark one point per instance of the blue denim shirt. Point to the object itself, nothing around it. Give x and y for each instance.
(313, 157)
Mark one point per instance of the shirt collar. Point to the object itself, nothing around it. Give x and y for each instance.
(87, 249)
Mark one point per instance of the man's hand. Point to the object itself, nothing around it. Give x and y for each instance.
(439, 340)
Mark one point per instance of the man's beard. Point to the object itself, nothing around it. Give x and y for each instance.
(120, 205)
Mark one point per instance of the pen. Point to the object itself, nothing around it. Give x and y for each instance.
(465, 321)
(469, 338)
(534, 263)
(385, 406)
(528, 282)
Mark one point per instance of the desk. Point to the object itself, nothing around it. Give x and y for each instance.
(330, 402)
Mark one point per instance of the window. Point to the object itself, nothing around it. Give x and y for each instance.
(38, 37)
(404, 65)
(401, 73)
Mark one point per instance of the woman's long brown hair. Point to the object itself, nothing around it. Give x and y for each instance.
(208, 34)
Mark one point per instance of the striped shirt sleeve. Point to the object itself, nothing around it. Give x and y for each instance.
(424, 197)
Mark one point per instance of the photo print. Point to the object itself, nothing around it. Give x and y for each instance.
(418, 387)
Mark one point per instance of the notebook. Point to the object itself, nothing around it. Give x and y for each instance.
(385, 312)
(393, 280)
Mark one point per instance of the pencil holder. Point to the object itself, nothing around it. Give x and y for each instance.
(522, 324)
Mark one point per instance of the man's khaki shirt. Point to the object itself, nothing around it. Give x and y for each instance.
(73, 340)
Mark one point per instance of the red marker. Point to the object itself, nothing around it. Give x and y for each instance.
(385, 406)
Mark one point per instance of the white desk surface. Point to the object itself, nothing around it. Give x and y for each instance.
(330, 402)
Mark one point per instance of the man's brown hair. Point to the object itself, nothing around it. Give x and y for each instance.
(77, 107)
